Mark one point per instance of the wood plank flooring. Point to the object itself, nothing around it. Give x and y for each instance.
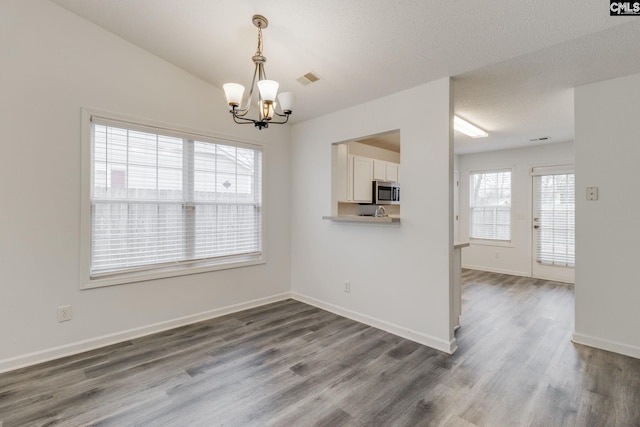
(290, 364)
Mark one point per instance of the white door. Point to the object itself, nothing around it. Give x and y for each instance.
(554, 223)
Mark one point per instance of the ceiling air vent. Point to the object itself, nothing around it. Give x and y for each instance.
(541, 139)
(309, 78)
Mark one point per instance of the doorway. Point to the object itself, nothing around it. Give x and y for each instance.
(553, 252)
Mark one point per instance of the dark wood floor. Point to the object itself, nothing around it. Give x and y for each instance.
(290, 364)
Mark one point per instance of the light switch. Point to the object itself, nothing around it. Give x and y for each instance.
(592, 193)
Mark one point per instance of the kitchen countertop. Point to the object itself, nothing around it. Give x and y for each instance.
(366, 219)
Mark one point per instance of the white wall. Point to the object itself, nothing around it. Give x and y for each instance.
(54, 63)
(607, 230)
(399, 274)
(513, 257)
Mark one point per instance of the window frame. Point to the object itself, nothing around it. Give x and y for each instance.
(161, 271)
(487, 240)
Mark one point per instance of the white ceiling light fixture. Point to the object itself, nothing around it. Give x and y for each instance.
(468, 129)
(267, 91)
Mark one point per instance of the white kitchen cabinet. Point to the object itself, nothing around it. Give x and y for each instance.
(393, 172)
(361, 178)
(340, 173)
(385, 171)
(379, 170)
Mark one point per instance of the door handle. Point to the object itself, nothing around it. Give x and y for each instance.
(536, 226)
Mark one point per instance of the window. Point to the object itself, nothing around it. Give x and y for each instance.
(165, 202)
(490, 205)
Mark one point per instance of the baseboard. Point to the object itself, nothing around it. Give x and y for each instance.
(424, 339)
(497, 270)
(105, 340)
(602, 344)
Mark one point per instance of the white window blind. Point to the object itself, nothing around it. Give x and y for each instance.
(554, 218)
(161, 198)
(490, 205)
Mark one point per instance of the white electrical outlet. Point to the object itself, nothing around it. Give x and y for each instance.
(347, 286)
(497, 254)
(64, 313)
(592, 193)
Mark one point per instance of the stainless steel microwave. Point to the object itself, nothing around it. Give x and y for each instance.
(386, 193)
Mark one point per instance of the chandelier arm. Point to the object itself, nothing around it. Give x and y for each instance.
(243, 111)
(280, 123)
(282, 115)
(236, 116)
(253, 85)
(262, 74)
(243, 121)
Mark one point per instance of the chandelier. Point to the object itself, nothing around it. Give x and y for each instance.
(267, 91)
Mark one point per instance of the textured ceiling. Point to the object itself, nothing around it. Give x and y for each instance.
(514, 63)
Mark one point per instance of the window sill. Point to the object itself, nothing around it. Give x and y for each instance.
(172, 271)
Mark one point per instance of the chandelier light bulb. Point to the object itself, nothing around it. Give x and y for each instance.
(267, 108)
